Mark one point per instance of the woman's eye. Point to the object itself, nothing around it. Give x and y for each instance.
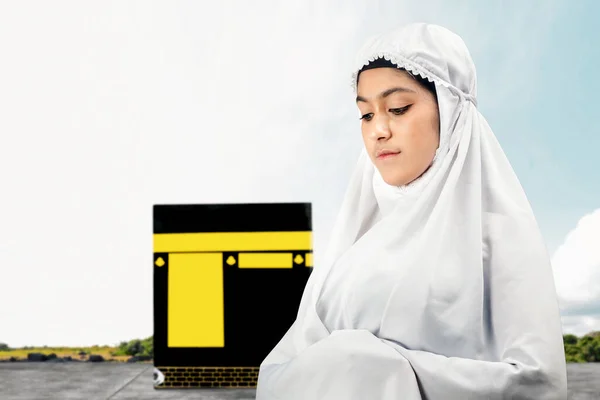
(400, 111)
(395, 111)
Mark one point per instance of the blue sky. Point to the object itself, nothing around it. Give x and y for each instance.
(553, 140)
(111, 107)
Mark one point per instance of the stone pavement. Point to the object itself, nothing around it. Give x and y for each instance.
(122, 381)
(96, 381)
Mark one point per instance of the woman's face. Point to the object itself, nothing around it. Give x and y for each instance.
(400, 124)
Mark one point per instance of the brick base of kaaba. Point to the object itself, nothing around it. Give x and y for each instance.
(206, 377)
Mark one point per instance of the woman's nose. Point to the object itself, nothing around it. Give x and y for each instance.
(381, 129)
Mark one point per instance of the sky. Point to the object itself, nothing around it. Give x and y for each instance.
(107, 108)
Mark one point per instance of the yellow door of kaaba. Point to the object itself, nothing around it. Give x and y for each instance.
(196, 289)
(228, 279)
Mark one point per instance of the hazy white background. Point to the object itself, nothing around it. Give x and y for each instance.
(109, 107)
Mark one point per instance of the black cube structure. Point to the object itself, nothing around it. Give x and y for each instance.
(228, 279)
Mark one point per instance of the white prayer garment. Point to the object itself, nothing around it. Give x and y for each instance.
(440, 289)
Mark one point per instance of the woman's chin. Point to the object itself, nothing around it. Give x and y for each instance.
(395, 179)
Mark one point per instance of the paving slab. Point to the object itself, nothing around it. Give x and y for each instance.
(123, 381)
(65, 381)
(96, 381)
(583, 381)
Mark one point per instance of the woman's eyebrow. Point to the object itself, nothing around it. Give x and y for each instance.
(386, 93)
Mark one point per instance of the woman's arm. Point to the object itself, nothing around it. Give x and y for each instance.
(452, 378)
(312, 363)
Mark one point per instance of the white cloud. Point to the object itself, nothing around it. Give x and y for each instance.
(576, 265)
(581, 325)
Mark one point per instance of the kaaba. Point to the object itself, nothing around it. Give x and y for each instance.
(228, 279)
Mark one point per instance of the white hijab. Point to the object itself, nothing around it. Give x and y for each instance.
(441, 289)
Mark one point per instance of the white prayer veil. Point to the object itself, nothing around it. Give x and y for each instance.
(441, 289)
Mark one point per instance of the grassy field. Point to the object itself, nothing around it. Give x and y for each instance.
(120, 353)
(104, 351)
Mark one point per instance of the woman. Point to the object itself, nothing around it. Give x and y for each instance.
(437, 283)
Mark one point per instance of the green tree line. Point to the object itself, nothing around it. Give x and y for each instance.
(136, 347)
(584, 349)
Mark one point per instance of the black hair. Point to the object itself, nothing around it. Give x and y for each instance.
(382, 63)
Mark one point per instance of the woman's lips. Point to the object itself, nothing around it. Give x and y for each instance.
(387, 155)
